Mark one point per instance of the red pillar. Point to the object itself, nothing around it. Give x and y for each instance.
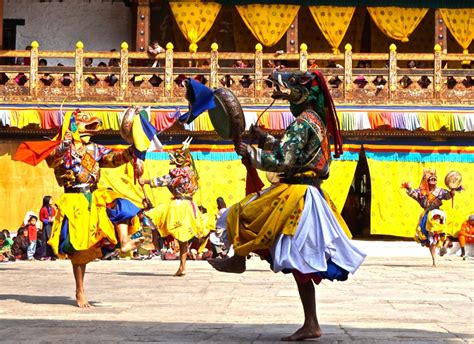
(143, 25)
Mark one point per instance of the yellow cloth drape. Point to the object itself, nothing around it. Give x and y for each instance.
(339, 182)
(397, 22)
(195, 19)
(268, 23)
(333, 22)
(393, 212)
(460, 22)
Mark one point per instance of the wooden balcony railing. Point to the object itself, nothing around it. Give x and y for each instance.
(128, 82)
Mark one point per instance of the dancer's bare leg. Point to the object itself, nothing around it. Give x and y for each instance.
(234, 264)
(127, 244)
(183, 253)
(433, 254)
(310, 328)
(79, 272)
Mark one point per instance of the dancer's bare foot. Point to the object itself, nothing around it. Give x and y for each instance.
(234, 264)
(179, 273)
(131, 245)
(81, 300)
(306, 332)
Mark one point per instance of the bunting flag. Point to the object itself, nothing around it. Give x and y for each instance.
(144, 136)
(200, 97)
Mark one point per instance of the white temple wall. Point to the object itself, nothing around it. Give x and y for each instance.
(100, 25)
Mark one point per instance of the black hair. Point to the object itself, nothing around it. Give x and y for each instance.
(6, 232)
(33, 217)
(220, 203)
(2, 236)
(46, 200)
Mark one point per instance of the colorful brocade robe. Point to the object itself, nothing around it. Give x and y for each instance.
(79, 166)
(181, 181)
(432, 200)
(303, 148)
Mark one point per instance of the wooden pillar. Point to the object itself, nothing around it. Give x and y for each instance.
(292, 37)
(440, 33)
(142, 38)
(1, 24)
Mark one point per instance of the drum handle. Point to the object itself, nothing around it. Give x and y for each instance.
(269, 106)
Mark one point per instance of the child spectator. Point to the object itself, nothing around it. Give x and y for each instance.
(32, 236)
(46, 215)
(8, 240)
(153, 50)
(20, 244)
(5, 251)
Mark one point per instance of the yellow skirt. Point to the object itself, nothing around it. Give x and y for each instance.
(255, 222)
(178, 218)
(89, 224)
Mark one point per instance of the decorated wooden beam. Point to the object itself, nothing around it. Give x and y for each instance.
(143, 25)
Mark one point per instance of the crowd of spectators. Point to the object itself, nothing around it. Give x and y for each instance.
(31, 240)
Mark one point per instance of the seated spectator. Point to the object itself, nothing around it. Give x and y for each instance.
(406, 81)
(227, 81)
(335, 81)
(466, 235)
(112, 79)
(360, 81)
(379, 83)
(8, 240)
(312, 64)
(46, 78)
(66, 79)
(5, 249)
(20, 244)
(200, 249)
(170, 250)
(201, 78)
(91, 79)
(21, 78)
(180, 80)
(333, 64)
(411, 64)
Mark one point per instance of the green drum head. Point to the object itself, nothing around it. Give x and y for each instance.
(227, 117)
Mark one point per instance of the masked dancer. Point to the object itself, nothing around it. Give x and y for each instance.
(291, 223)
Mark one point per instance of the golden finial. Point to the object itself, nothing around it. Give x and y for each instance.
(303, 47)
(79, 45)
(35, 44)
(348, 47)
(258, 47)
(393, 47)
(214, 46)
(169, 46)
(124, 46)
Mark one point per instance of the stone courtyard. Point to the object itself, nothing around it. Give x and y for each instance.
(396, 296)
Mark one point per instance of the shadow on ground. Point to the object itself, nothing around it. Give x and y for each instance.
(124, 331)
(41, 299)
